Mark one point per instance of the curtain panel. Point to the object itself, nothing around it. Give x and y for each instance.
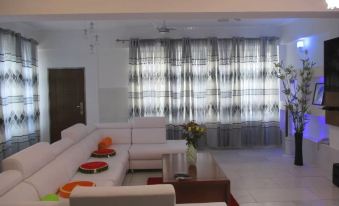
(19, 99)
(228, 82)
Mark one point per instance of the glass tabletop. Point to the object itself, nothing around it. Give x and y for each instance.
(206, 168)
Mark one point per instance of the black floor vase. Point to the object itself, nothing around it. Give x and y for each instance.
(298, 158)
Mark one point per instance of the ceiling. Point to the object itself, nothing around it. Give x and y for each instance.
(180, 24)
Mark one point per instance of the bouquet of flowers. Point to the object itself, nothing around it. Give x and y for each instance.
(192, 133)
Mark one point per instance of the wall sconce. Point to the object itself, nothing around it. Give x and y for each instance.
(332, 4)
(300, 44)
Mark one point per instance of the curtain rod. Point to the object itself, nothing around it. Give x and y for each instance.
(122, 40)
(127, 40)
(8, 31)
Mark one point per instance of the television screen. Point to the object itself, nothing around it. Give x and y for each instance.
(331, 64)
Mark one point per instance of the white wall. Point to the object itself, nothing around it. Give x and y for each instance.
(107, 69)
(64, 7)
(113, 83)
(314, 34)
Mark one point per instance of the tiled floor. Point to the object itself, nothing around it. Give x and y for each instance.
(265, 177)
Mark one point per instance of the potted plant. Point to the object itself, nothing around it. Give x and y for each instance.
(192, 133)
(296, 87)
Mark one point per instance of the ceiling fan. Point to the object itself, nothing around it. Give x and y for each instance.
(163, 29)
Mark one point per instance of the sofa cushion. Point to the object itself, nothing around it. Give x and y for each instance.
(35, 203)
(115, 173)
(118, 166)
(20, 193)
(149, 122)
(8, 179)
(148, 135)
(114, 125)
(49, 178)
(155, 151)
(121, 154)
(59, 146)
(118, 135)
(29, 160)
(73, 157)
(75, 132)
(105, 143)
(66, 189)
(93, 167)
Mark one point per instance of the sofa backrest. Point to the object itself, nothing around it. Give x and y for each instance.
(48, 179)
(76, 132)
(22, 192)
(120, 132)
(73, 157)
(149, 122)
(59, 146)
(92, 140)
(29, 160)
(149, 130)
(8, 179)
(145, 195)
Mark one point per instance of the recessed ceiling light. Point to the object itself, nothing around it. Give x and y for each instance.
(189, 28)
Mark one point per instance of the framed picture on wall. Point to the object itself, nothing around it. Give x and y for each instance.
(318, 94)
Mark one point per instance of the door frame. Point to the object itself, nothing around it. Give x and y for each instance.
(49, 94)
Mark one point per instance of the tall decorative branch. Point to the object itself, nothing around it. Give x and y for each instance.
(296, 87)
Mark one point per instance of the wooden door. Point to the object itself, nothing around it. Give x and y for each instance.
(66, 99)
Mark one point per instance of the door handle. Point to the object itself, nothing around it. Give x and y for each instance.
(81, 108)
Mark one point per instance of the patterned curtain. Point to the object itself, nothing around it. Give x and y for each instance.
(249, 92)
(19, 100)
(227, 82)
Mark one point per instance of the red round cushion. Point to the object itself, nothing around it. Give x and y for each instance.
(103, 153)
(93, 167)
(66, 190)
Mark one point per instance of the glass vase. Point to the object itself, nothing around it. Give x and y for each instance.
(191, 155)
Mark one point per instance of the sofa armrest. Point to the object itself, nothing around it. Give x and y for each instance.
(35, 203)
(146, 195)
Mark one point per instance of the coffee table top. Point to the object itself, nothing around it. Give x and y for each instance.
(206, 168)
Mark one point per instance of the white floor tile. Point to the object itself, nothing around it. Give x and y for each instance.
(319, 203)
(281, 195)
(242, 196)
(266, 177)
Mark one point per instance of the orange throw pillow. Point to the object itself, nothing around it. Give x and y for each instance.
(66, 190)
(105, 143)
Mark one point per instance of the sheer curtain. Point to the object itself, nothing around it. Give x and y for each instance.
(226, 82)
(19, 108)
(249, 92)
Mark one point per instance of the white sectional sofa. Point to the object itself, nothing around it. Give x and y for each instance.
(42, 168)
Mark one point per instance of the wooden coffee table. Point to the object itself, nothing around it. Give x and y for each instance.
(208, 183)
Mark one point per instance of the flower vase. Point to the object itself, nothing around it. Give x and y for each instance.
(191, 155)
(298, 158)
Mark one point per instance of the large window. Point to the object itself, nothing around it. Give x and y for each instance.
(19, 99)
(227, 81)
